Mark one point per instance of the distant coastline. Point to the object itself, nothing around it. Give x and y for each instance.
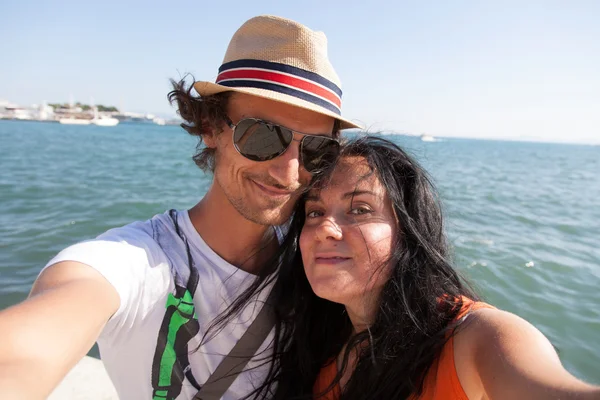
(78, 114)
(527, 139)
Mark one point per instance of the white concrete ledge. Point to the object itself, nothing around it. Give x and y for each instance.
(88, 380)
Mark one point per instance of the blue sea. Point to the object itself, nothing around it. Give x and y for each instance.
(523, 218)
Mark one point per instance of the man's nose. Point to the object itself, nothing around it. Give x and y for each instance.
(286, 168)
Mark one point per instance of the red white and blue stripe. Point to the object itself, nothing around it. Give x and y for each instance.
(282, 78)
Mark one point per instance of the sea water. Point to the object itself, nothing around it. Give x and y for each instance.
(523, 218)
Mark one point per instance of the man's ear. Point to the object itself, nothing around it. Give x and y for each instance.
(210, 136)
(210, 139)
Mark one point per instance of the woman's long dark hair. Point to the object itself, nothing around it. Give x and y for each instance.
(417, 305)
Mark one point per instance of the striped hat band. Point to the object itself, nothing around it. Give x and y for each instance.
(282, 78)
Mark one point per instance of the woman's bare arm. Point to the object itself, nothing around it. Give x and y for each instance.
(499, 355)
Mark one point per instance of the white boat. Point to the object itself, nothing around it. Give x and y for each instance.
(105, 121)
(427, 138)
(75, 121)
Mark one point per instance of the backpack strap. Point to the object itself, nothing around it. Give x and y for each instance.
(246, 347)
(180, 324)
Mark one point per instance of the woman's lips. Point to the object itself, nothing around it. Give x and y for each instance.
(331, 260)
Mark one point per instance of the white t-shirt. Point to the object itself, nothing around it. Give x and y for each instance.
(133, 262)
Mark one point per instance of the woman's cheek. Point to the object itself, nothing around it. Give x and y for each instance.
(305, 244)
(381, 246)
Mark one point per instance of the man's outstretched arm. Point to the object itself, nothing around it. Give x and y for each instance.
(42, 338)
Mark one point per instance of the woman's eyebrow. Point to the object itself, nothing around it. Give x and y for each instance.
(312, 197)
(348, 195)
(358, 192)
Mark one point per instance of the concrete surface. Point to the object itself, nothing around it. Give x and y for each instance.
(88, 380)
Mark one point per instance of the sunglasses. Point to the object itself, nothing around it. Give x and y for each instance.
(259, 140)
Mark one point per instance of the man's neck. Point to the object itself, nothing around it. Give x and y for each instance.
(238, 241)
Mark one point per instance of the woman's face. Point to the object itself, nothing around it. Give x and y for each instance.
(347, 239)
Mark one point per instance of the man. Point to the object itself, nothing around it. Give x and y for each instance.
(169, 298)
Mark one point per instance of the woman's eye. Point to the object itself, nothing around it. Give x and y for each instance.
(360, 211)
(313, 214)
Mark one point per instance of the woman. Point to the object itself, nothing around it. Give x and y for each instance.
(374, 309)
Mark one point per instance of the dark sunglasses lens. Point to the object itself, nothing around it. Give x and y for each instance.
(260, 141)
(318, 153)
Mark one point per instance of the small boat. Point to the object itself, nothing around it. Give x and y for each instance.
(427, 138)
(105, 121)
(75, 121)
(159, 121)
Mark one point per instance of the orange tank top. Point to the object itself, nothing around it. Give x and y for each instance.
(441, 381)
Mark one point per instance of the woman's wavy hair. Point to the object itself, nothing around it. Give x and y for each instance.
(416, 309)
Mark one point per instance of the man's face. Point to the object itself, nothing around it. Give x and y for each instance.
(264, 192)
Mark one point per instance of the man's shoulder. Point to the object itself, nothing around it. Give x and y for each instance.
(137, 231)
(149, 234)
(132, 243)
(160, 240)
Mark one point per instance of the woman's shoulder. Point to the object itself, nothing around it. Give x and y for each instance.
(492, 344)
(485, 325)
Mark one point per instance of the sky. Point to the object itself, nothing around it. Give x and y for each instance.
(524, 70)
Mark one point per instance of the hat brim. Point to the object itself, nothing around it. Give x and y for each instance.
(210, 88)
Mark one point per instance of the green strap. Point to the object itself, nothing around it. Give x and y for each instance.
(184, 312)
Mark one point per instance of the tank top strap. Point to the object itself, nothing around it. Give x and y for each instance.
(324, 380)
(469, 306)
(441, 381)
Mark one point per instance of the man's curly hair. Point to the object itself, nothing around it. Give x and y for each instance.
(202, 115)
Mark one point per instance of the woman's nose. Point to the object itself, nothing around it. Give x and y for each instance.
(328, 229)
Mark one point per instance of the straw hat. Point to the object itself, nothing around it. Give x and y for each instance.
(281, 60)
